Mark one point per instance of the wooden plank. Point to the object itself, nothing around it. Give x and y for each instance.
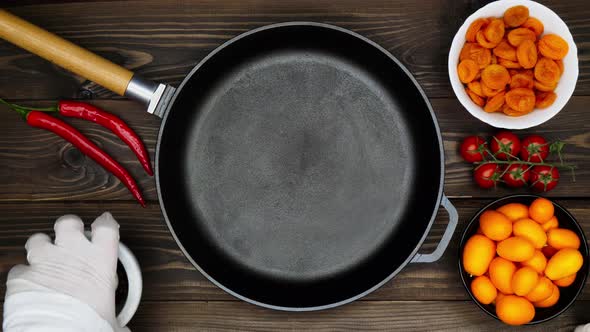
(163, 41)
(36, 165)
(358, 316)
(179, 316)
(168, 276)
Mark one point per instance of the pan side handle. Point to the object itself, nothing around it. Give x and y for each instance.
(82, 62)
(446, 238)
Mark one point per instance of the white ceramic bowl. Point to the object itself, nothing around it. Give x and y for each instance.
(565, 87)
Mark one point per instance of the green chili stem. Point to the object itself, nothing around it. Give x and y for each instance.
(40, 109)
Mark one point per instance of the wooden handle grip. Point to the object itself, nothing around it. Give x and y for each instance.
(64, 53)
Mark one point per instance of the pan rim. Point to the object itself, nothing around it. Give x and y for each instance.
(441, 165)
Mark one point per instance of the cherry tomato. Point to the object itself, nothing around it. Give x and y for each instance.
(534, 148)
(473, 148)
(516, 175)
(487, 175)
(505, 145)
(544, 178)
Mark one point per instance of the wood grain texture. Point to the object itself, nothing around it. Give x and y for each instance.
(63, 53)
(43, 177)
(168, 276)
(358, 316)
(180, 316)
(163, 40)
(36, 165)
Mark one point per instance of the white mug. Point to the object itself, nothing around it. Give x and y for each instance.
(134, 282)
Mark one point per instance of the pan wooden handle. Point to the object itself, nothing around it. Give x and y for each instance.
(63, 53)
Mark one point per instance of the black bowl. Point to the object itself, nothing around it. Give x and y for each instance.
(567, 295)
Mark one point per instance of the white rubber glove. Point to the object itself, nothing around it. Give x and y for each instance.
(69, 285)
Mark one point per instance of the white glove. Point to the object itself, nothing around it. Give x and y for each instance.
(69, 285)
(583, 328)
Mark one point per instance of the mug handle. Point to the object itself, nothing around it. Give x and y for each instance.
(446, 238)
(135, 282)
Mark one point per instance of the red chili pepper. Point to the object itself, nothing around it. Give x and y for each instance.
(44, 121)
(89, 112)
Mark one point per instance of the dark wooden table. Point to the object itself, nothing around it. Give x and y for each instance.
(43, 177)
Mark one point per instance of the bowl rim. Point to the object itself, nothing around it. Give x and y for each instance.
(579, 232)
(477, 111)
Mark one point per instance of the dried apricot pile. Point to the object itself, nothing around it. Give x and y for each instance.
(519, 258)
(508, 65)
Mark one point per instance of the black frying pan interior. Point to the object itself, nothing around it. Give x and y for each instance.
(299, 166)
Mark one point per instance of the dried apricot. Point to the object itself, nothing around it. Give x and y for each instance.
(481, 40)
(535, 25)
(495, 103)
(482, 56)
(509, 111)
(545, 99)
(475, 87)
(544, 87)
(478, 76)
(489, 92)
(479, 101)
(521, 100)
(527, 54)
(474, 28)
(512, 112)
(494, 32)
(505, 51)
(517, 36)
(467, 70)
(465, 51)
(515, 16)
(495, 76)
(494, 59)
(547, 71)
(553, 47)
(527, 72)
(521, 81)
(560, 65)
(509, 64)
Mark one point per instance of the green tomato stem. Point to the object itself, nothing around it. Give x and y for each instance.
(521, 162)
